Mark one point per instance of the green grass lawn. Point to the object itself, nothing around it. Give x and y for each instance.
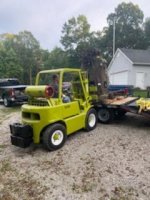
(140, 93)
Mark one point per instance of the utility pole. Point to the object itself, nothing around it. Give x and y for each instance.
(114, 35)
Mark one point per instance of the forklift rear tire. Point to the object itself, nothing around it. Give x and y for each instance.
(105, 115)
(91, 120)
(54, 137)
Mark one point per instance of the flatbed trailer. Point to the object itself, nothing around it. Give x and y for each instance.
(132, 107)
(118, 107)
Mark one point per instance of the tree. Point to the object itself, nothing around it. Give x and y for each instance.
(9, 64)
(78, 41)
(28, 51)
(57, 58)
(81, 44)
(75, 38)
(128, 19)
(127, 14)
(75, 32)
(13, 68)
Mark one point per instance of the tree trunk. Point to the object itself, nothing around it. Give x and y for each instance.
(98, 76)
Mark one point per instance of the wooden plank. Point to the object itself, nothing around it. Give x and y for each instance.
(120, 100)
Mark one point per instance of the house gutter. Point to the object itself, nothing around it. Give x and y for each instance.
(144, 64)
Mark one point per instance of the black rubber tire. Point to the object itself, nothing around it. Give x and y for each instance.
(6, 102)
(105, 115)
(91, 115)
(48, 136)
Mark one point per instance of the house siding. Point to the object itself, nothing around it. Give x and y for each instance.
(142, 69)
(120, 65)
(122, 70)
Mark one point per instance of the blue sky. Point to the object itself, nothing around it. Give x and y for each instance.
(45, 18)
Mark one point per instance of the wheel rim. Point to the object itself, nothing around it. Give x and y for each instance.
(92, 120)
(57, 137)
(103, 114)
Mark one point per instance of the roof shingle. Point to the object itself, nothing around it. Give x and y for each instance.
(137, 56)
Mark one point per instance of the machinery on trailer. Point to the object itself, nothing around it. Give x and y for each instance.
(61, 102)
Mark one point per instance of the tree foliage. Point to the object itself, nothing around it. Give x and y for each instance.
(78, 41)
(28, 51)
(127, 14)
(128, 19)
(9, 63)
(75, 32)
(57, 58)
(21, 55)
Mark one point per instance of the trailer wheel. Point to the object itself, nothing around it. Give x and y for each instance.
(54, 137)
(105, 115)
(6, 102)
(91, 119)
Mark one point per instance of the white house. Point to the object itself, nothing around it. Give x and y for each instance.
(130, 67)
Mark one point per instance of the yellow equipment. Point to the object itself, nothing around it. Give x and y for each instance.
(144, 104)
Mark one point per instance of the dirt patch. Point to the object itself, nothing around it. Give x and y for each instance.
(110, 163)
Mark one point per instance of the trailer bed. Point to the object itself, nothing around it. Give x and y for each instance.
(132, 107)
(117, 107)
(120, 101)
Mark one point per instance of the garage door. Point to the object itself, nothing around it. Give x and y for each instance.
(140, 80)
(120, 78)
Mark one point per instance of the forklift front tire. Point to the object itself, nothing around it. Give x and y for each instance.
(54, 137)
(91, 119)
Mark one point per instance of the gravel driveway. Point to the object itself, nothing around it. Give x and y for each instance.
(110, 163)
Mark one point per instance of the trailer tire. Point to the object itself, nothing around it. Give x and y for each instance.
(54, 137)
(91, 120)
(105, 115)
